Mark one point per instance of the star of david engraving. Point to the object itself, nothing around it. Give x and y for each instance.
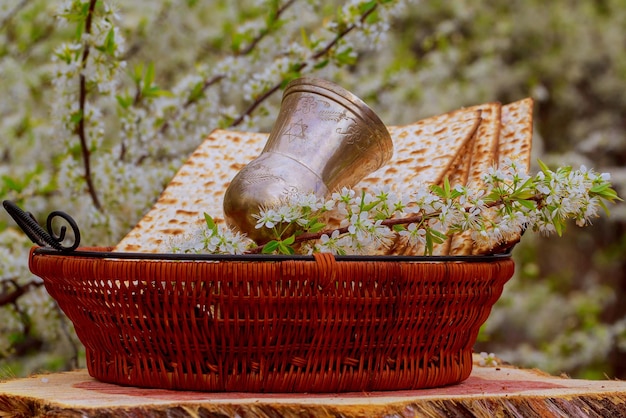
(296, 130)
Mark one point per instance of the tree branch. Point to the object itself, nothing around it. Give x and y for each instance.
(418, 218)
(265, 32)
(219, 77)
(207, 83)
(80, 129)
(299, 67)
(7, 18)
(9, 298)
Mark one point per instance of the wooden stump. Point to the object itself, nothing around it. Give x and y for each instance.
(489, 391)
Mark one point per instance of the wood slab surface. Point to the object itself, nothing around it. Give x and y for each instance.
(489, 392)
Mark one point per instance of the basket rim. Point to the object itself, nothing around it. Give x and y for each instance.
(92, 252)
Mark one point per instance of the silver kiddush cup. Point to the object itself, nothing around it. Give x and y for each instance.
(324, 138)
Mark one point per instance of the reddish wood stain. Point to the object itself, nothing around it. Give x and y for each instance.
(471, 386)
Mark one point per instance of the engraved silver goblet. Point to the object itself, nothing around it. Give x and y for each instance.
(324, 138)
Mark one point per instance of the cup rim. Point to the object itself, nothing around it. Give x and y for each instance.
(340, 94)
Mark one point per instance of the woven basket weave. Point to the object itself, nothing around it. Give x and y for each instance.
(275, 326)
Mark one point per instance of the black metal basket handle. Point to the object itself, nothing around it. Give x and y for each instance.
(26, 221)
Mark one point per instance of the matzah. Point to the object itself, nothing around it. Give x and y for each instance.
(455, 160)
(424, 152)
(198, 187)
(482, 156)
(515, 143)
(516, 132)
(458, 173)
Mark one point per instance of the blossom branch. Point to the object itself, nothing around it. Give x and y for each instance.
(219, 77)
(343, 33)
(80, 128)
(192, 99)
(391, 222)
(300, 66)
(264, 32)
(10, 297)
(496, 215)
(7, 18)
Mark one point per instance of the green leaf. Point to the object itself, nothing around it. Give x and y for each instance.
(604, 207)
(559, 226)
(494, 196)
(599, 188)
(285, 249)
(546, 170)
(455, 193)
(428, 250)
(321, 64)
(196, 92)
(76, 117)
(11, 184)
(270, 247)
(237, 40)
(366, 7)
(109, 43)
(522, 194)
(289, 240)
(294, 71)
(124, 101)
(526, 184)
(605, 191)
(137, 73)
(148, 77)
(446, 186)
(316, 227)
(528, 204)
(372, 205)
(210, 223)
(155, 91)
(438, 190)
(305, 38)
(611, 195)
(438, 236)
(345, 57)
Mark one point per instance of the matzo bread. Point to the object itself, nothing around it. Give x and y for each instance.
(200, 183)
(482, 156)
(457, 163)
(517, 132)
(512, 139)
(458, 173)
(515, 143)
(468, 160)
(423, 151)
(198, 187)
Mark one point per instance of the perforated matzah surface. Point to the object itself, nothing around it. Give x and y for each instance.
(456, 144)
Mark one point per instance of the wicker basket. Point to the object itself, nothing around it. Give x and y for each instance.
(322, 324)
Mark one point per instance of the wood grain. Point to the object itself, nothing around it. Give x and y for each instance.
(489, 392)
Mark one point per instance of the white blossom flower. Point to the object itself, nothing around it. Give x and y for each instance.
(488, 360)
(330, 243)
(267, 218)
(415, 236)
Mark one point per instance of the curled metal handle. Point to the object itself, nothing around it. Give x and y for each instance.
(26, 221)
